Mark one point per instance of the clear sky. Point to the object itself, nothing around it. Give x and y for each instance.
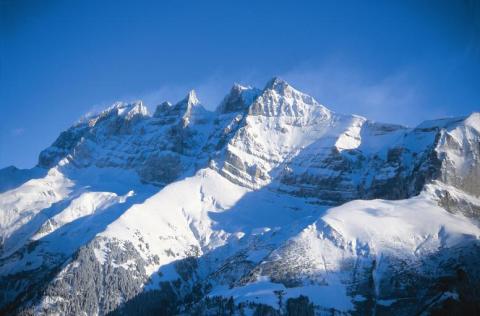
(394, 61)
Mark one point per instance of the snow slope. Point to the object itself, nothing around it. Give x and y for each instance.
(316, 261)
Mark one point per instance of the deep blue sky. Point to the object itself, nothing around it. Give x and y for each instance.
(395, 61)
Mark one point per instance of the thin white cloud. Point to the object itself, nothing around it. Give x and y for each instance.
(395, 98)
(19, 131)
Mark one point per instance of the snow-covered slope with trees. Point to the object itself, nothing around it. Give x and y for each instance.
(270, 204)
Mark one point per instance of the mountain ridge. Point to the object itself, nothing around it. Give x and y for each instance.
(187, 206)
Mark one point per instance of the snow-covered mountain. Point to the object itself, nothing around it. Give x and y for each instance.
(272, 204)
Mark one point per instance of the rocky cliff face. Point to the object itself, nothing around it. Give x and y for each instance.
(178, 211)
(125, 136)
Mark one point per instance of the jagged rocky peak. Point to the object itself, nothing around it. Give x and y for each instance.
(190, 109)
(189, 100)
(126, 110)
(120, 118)
(281, 99)
(239, 99)
(136, 108)
(186, 104)
(192, 98)
(162, 108)
(283, 88)
(277, 84)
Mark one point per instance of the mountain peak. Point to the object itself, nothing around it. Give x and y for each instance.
(280, 99)
(190, 109)
(237, 86)
(277, 84)
(191, 98)
(127, 110)
(238, 99)
(162, 108)
(133, 110)
(184, 107)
